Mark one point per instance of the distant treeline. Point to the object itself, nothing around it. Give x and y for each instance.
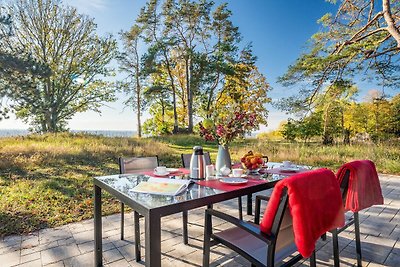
(376, 119)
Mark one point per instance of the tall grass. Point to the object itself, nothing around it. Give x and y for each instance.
(46, 180)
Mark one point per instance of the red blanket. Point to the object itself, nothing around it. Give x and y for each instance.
(364, 189)
(315, 204)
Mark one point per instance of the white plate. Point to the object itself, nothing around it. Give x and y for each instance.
(161, 174)
(242, 176)
(233, 181)
(171, 170)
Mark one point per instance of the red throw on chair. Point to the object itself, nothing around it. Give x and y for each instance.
(364, 189)
(314, 211)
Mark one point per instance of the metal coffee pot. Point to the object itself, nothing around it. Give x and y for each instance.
(197, 164)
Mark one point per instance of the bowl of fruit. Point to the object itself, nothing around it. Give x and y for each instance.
(253, 162)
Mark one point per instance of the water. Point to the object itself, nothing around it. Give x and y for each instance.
(16, 132)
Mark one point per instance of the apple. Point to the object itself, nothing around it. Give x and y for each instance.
(208, 123)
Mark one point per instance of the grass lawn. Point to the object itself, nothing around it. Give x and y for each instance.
(45, 180)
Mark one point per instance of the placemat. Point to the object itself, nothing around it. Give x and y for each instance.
(216, 184)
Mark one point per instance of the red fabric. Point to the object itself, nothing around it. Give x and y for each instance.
(216, 184)
(315, 204)
(364, 189)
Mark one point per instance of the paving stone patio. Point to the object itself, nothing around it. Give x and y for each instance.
(72, 244)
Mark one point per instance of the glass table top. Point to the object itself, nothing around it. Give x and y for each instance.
(123, 183)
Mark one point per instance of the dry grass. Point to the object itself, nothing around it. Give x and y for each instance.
(45, 180)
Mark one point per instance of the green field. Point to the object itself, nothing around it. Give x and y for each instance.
(46, 181)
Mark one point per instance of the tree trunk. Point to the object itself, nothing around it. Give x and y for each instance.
(139, 124)
(346, 138)
(189, 94)
(327, 138)
(171, 77)
(391, 28)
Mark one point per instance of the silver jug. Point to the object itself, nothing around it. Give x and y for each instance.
(197, 164)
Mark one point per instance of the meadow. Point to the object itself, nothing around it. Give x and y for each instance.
(46, 180)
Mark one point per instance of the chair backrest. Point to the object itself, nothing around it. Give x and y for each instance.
(360, 185)
(130, 165)
(186, 159)
(282, 229)
(312, 195)
(344, 185)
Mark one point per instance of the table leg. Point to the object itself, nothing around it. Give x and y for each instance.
(153, 240)
(98, 252)
(185, 227)
(250, 204)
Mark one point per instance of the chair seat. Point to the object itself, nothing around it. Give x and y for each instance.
(255, 247)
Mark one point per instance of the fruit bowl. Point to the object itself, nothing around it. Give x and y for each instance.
(252, 162)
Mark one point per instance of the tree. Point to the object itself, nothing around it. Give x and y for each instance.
(17, 67)
(333, 104)
(289, 130)
(360, 39)
(130, 62)
(158, 55)
(395, 115)
(56, 35)
(196, 45)
(247, 89)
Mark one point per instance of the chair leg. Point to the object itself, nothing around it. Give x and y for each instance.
(257, 211)
(240, 208)
(313, 262)
(122, 220)
(185, 227)
(358, 242)
(207, 239)
(335, 241)
(250, 204)
(137, 235)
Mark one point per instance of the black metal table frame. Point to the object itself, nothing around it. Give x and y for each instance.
(153, 216)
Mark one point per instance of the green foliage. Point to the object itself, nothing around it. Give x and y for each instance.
(17, 66)
(193, 54)
(289, 130)
(58, 37)
(376, 120)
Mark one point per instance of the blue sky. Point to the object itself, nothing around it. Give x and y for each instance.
(278, 31)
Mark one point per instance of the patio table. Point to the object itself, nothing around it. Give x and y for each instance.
(154, 207)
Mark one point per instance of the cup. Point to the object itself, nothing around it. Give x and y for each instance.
(160, 169)
(224, 171)
(237, 172)
(210, 170)
(286, 164)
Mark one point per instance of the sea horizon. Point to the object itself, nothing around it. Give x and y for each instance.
(107, 133)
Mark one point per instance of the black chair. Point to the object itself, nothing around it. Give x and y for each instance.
(354, 219)
(246, 238)
(186, 164)
(360, 188)
(186, 159)
(131, 165)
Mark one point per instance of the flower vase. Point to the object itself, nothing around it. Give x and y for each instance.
(223, 159)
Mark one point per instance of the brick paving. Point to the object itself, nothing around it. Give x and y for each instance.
(72, 244)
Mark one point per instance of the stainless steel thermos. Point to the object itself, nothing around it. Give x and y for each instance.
(197, 164)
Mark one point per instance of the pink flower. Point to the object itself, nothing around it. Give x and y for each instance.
(229, 127)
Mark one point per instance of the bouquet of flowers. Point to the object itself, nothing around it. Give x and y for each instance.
(226, 129)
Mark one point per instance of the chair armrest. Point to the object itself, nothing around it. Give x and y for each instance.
(262, 197)
(258, 207)
(248, 227)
